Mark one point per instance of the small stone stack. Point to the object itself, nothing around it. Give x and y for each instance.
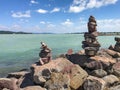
(117, 45)
(91, 45)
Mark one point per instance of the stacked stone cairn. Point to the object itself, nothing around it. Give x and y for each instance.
(117, 45)
(91, 45)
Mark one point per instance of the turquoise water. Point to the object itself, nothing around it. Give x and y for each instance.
(20, 51)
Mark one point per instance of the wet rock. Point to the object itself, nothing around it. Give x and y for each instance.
(110, 80)
(94, 83)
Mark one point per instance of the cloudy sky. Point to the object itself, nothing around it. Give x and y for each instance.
(59, 16)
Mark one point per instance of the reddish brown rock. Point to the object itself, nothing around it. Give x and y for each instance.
(76, 74)
(41, 72)
(113, 53)
(8, 83)
(103, 59)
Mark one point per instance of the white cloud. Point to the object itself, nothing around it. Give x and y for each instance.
(33, 2)
(109, 25)
(16, 27)
(26, 14)
(80, 5)
(2, 27)
(42, 22)
(67, 23)
(42, 11)
(55, 10)
(50, 25)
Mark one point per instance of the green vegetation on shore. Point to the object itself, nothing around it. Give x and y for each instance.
(11, 32)
(100, 33)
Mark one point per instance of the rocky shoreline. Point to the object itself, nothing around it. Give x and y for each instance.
(76, 72)
(89, 69)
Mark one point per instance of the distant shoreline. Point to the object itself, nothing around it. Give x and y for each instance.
(100, 33)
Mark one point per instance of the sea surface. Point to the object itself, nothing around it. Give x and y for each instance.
(19, 51)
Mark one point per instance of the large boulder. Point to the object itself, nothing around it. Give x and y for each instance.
(94, 83)
(8, 84)
(77, 77)
(42, 73)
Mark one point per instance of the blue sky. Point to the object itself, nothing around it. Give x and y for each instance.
(59, 16)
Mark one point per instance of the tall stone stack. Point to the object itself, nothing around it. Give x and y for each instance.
(91, 45)
(117, 45)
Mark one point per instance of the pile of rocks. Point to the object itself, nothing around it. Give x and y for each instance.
(76, 71)
(117, 45)
(91, 45)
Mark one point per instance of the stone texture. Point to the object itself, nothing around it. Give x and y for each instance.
(26, 80)
(93, 65)
(33, 88)
(113, 53)
(99, 73)
(58, 81)
(91, 45)
(77, 77)
(17, 74)
(8, 84)
(90, 51)
(116, 69)
(103, 59)
(41, 72)
(115, 88)
(110, 80)
(94, 83)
